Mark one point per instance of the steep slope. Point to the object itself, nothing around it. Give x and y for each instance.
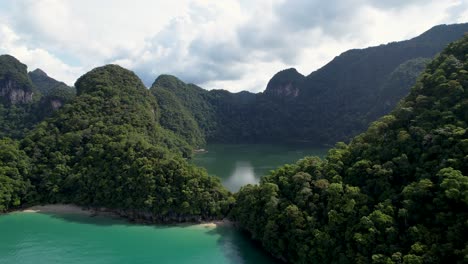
(398, 193)
(218, 113)
(193, 98)
(332, 104)
(396, 86)
(15, 85)
(26, 99)
(334, 99)
(17, 98)
(106, 148)
(57, 93)
(176, 118)
(285, 84)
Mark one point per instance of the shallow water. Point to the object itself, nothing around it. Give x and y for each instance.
(61, 238)
(65, 238)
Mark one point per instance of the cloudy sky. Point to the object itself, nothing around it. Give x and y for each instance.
(221, 44)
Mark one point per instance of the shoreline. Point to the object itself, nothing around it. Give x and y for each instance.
(92, 212)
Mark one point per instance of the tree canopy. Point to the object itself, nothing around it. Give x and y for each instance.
(106, 148)
(398, 193)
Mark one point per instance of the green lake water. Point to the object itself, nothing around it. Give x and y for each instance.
(38, 238)
(241, 164)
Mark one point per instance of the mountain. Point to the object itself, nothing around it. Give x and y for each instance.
(57, 93)
(27, 98)
(285, 84)
(218, 113)
(398, 193)
(331, 104)
(333, 100)
(18, 96)
(174, 115)
(106, 148)
(15, 85)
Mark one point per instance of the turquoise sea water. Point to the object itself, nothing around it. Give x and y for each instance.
(48, 238)
(38, 238)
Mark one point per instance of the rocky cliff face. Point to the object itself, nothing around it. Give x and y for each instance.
(15, 85)
(285, 84)
(14, 93)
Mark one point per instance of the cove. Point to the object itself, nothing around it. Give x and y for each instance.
(241, 164)
(65, 238)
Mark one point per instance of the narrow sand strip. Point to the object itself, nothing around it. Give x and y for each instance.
(57, 208)
(215, 224)
(74, 209)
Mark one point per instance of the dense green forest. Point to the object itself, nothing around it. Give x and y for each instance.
(107, 148)
(398, 193)
(26, 99)
(48, 86)
(175, 117)
(332, 104)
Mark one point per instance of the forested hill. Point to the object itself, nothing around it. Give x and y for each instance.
(398, 193)
(49, 87)
(106, 148)
(339, 97)
(27, 98)
(331, 104)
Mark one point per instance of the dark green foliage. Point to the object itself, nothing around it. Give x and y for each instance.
(13, 75)
(106, 148)
(331, 104)
(176, 118)
(339, 100)
(14, 166)
(284, 84)
(397, 193)
(17, 97)
(26, 99)
(15, 120)
(396, 86)
(51, 88)
(193, 98)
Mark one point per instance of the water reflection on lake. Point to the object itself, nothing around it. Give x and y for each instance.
(243, 174)
(241, 164)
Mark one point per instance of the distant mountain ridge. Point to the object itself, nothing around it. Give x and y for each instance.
(331, 104)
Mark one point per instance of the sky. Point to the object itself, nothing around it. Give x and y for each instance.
(216, 44)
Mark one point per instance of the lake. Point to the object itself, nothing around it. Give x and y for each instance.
(241, 164)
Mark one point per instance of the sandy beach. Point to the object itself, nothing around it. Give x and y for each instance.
(58, 208)
(74, 209)
(215, 224)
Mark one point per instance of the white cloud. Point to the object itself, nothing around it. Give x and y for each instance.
(36, 57)
(229, 44)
